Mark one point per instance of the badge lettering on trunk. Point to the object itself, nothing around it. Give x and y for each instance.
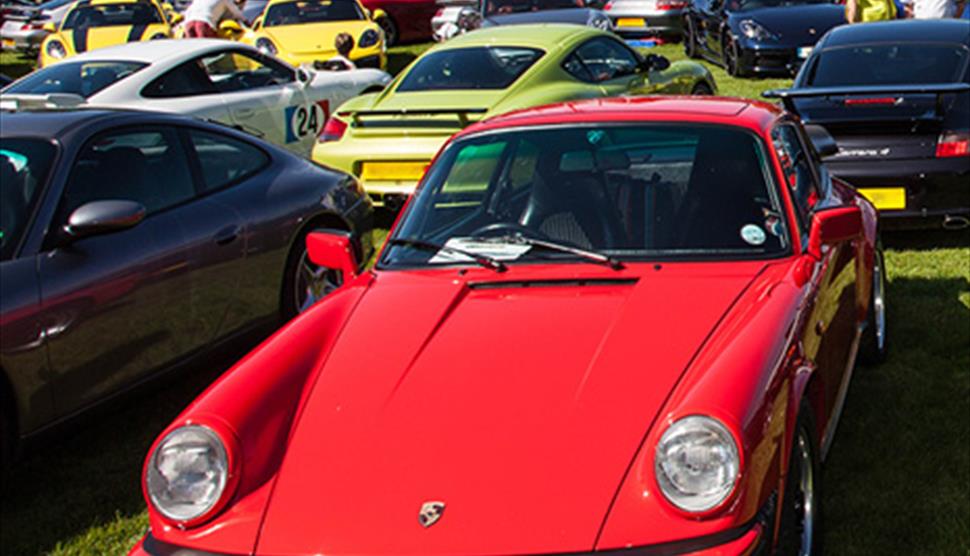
(430, 513)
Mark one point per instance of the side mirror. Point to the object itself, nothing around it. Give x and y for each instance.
(103, 217)
(175, 18)
(655, 62)
(333, 249)
(304, 76)
(832, 226)
(823, 142)
(49, 27)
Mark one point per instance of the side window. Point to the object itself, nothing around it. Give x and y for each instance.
(238, 71)
(145, 166)
(796, 163)
(574, 66)
(607, 59)
(185, 80)
(224, 160)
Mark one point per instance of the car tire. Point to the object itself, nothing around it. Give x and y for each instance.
(800, 527)
(701, 89)
(304, 283)
(732, 58)
(690, 40)
(390, 30)
(874, 345)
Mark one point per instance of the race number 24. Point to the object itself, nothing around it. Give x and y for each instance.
(305, 120)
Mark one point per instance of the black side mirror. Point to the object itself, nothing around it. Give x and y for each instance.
(655, 62)
(102, 217)
(823, 142)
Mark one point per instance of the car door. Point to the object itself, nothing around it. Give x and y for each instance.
(832, 318)
(265, 98)
(186, 89)
(118, 306)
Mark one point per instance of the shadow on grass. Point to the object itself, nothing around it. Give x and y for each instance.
(18, 68)
(920, 240)
(896, 481)
(90, 474)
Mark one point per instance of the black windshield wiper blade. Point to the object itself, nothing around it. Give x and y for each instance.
(483, 260)
(587, 254)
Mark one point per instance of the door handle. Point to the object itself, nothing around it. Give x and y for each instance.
(227, 235)
(244, 113)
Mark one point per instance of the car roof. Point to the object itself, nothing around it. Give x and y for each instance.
(900, 31)
(732, 111)
(544, 35)
(150, 52)
(54, 123)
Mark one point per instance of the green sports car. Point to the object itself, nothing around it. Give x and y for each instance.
(388, 139)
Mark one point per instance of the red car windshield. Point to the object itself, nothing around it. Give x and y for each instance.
(627, 191)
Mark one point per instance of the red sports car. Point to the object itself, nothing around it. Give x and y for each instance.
(406, 20)
(623, 325)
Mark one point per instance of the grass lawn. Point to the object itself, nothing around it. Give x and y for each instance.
(897, 480)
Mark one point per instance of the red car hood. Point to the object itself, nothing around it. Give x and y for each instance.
(520, 408)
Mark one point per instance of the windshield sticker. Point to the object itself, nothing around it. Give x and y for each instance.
(493, 249)
(595, 136)
(753, 235)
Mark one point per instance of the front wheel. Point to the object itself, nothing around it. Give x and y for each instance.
(800, 531)
(874, 345)
(732, 58)
(690, 40)
(390, 30)
(305, 283)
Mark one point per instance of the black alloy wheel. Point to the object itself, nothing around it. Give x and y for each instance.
(874, 345)
(732, 58)
(800, 532)
(690, 39)
(305, 283)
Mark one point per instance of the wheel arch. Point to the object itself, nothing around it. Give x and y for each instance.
(320, 221)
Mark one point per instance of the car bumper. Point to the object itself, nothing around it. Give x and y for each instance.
(668, 23)
(363, 58)
(937, 191)
(772, 60)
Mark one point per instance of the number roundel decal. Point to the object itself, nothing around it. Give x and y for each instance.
(304, 120)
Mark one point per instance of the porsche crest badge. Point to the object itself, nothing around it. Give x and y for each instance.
(430, 513)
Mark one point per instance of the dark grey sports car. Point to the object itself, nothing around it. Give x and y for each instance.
(460, 16)
(131, 240)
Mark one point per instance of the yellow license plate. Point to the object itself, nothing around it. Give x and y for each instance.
(8, 43)
(393, 171)
(886, 198)
(631, 22)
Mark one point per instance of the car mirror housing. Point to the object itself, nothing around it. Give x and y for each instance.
(833, 225)
(655, 62)
(304, 76)
(823, 142)
(103, 217)
(333, 249)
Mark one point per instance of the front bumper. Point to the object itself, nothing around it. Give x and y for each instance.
(632, 24)
(761, 60)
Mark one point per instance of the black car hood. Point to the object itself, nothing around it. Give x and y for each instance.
(800, 25)
(578, 16)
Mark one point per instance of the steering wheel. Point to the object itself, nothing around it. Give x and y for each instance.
(490, 229)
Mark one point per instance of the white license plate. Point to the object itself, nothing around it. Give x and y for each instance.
(804, 52)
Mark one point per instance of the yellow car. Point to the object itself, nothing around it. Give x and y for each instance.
(92, 24)
(304, 31)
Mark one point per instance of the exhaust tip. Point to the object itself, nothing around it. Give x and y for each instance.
(955, 222)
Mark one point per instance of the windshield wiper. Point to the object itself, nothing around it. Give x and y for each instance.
(483, 260)
(588, 254)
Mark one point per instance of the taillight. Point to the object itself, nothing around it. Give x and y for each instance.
(953, 143)
(869, 101)
(608, 6)
(332, 131)
(31, 27)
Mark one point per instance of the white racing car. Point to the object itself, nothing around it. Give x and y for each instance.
(215, 80)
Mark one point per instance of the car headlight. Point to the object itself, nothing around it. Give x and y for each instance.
(697, 463)
(368, 38)
(754, 30)
(55, 49)
(265, 46)
(600, 21)
(187, 473)
(158, 37)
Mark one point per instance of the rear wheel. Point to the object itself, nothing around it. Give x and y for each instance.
(305, 283)
(390, 30)
(702, 89)
(690, 39)
(800, 530)
(874, 345)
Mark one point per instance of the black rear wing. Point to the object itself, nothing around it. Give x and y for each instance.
(461, 114)
(788, 96)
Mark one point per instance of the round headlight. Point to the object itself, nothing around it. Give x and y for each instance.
(368, 38)
(697, 463)
(265, 46)
(55, 49)
(187, 473)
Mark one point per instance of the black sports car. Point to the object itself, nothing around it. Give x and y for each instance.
(130, 241)
(896, 98)
(757, 37)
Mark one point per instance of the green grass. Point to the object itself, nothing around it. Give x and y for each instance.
(897, 480)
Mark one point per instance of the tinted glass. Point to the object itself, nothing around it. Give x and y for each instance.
(24, 165)
(796, 165)
(312, 11)
(742, 5)
(225, 160)
(889, 65)
(499, 7)
(605, 59)
(185, 80)
(469, 68)
(110, 15)
(634, 191)
(77, 78)
(235, 71)
(148, 167)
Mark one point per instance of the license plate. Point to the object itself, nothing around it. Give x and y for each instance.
(7, 43)
(804, 52)
(886, 198)
(631, 22)
(393, 171)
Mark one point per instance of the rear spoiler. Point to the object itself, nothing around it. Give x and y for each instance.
(49, 101)
(788, 96)
(460, 114)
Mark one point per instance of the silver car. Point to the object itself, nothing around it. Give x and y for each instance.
(23, 24)
(637, 18)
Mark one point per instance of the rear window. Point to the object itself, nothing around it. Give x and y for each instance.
(112, 15)
(78, 78)
(889, 64)
(314, 11)
(499, 7)
(481, 67)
